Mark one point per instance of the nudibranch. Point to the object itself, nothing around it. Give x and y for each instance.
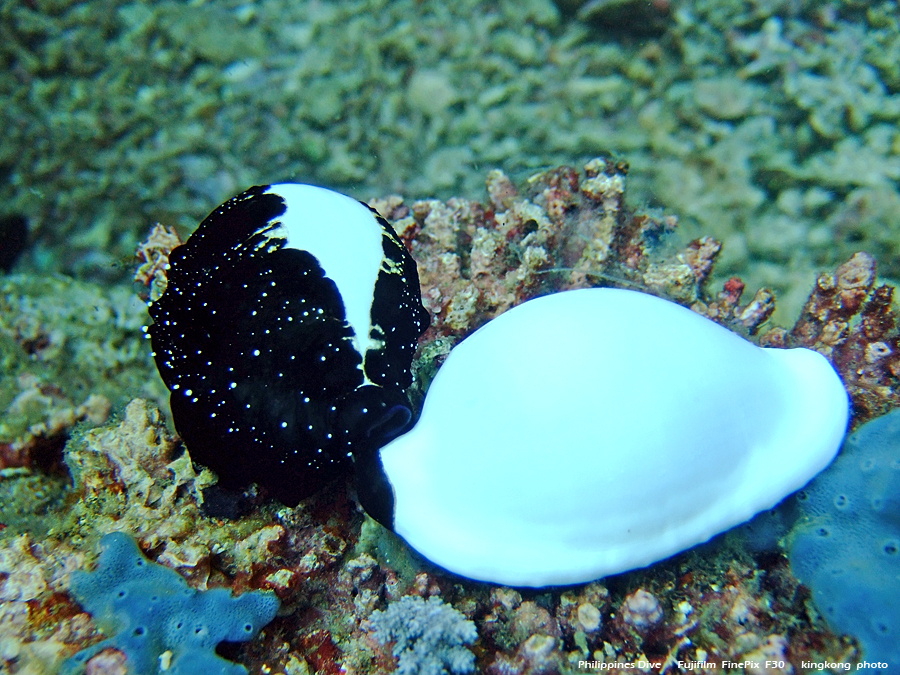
(285, 336)
(595, 431)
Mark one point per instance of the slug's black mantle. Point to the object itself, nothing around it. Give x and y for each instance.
(285, 335)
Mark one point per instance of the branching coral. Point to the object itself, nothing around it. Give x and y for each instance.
(428, 636)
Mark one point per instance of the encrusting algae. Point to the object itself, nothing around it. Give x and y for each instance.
(561, 229)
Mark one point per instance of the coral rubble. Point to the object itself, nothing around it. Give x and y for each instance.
(563, 231)
(71, 350)
(153, 255)
(849, 318)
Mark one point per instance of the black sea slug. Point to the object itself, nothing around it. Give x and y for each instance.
(285, 336)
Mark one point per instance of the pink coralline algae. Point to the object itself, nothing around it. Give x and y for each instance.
(107, 662)
(40, 626)
(850, 319)
(561, 230)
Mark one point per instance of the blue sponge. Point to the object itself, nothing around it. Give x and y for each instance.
(846, 548)
(161, 623)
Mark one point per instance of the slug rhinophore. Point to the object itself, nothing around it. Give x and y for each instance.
(577, 435)
(285, 335)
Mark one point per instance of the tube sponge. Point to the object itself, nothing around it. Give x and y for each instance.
(158, 619)
(846, 548)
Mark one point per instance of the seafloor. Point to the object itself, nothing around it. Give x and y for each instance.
(760, 145)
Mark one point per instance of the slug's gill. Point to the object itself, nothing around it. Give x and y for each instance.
(570, 438)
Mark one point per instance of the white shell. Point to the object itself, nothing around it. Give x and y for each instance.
(595, 431)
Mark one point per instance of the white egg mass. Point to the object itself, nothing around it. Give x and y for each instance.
(595, 431)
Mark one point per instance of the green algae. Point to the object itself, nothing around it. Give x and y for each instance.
(391, 552)
(63, 341)
(28, 503)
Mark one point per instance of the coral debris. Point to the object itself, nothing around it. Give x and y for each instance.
(561, 231)
(850, 318)
(153, 255)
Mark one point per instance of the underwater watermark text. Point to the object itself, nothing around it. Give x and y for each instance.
(689, 666)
